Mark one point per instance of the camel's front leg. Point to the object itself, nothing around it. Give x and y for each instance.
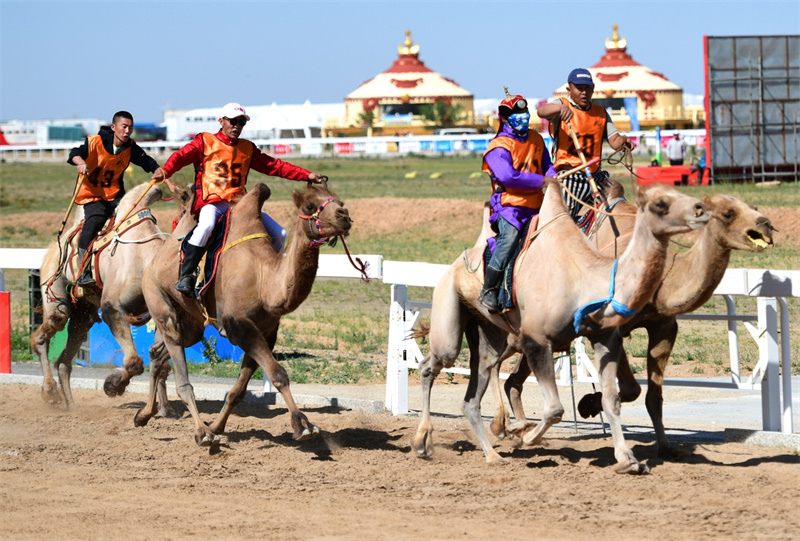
(661, 339)
(540, 361)
(480, 374)
(78, 327)
(607, 351)
(40, 344)
(247, 335)
(235, 395)
(132, 364)
(422, 441)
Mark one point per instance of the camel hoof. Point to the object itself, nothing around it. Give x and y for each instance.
(590, 405)
(166, 412)
(207, 441)
(140, 419)
(496, 459)
(634, 468)
(422, 445)
(115, 384)
(306, 434)
(670, 453)
(51, 397)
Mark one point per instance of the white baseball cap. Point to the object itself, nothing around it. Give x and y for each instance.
(233, 110)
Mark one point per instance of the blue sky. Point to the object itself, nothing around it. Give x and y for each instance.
(88, 59)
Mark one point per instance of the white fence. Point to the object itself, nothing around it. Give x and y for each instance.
(772, 288)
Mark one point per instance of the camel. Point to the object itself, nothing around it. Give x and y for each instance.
(254, 286)
(559, 275)
(120, 299)
(689, 280)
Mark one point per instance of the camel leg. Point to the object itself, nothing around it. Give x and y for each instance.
(159, 369)
(661, 339)
(540, 361)
(132, 364)
(591, 404)
(246, 335)
(40, 345)
(159, 361)
(607, 352)
(483, 360)
(447, 325)
(513, 388)
(78, 327)
(236, 394)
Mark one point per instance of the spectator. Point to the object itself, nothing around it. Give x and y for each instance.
(676, 149)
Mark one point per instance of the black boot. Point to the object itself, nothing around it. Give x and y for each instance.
(491, 286)
(186, 281)
(85, 279)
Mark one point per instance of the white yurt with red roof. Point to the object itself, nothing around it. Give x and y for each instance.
(397, 94)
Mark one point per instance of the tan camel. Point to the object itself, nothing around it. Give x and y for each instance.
(689, 281)
(560, 274)
(120, 267)
(254, 286)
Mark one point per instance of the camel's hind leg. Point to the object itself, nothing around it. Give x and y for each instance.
(157, 404)
(540, 359)
(448, 319)
(607, 351)
(484, 356)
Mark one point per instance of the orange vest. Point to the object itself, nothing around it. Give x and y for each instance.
(103, 182)
(590, 127)
(225, 168)
(525, 156)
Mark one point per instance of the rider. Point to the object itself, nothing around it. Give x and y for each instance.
(592, 125)
(102, 159)
(222, 162)
(516, 160)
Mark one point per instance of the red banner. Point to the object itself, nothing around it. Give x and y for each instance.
(281, 149)
(343, 148)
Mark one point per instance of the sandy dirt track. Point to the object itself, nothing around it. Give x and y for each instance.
(90, 474)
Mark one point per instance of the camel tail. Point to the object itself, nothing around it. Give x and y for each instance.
(423, 329)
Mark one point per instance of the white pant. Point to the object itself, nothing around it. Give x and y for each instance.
(211, 212)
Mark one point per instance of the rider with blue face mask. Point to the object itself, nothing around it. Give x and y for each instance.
(516, 160)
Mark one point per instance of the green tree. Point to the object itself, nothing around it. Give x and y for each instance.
(443, 113)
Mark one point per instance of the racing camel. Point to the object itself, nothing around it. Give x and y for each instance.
(120, 266)
(254, 286)
(689, 281)
(556, 280)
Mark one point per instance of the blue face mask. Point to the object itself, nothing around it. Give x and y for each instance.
(519, 122)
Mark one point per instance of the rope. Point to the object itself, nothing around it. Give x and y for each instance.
(587, 205)
(248, 237)
(619, 308)
(360, 267)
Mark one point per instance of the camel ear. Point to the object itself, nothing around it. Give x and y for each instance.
(641, 196)
(297, 197)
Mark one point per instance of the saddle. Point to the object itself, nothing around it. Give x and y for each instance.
(215, 246)
(103, 240)
(507, 295)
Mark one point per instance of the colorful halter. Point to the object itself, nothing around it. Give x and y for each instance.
(315, 217)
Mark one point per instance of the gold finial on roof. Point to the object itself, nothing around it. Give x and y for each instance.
(615, 42)
(505, 89)
(407, 48)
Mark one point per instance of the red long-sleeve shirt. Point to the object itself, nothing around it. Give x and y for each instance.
(192, 153)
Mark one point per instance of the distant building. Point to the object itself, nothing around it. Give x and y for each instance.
(397, 98)
(638, 97)
(45, 132)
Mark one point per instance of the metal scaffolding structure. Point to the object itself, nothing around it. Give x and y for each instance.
(753, 108)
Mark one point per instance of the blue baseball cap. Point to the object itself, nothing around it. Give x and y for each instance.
(580, 76)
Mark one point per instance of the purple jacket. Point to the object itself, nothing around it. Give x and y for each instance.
(499, 161)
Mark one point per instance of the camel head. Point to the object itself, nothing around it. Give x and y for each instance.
(737, 225)
(669, 212)
(326, 214)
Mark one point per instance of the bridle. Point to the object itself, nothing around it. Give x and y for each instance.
(323, 238)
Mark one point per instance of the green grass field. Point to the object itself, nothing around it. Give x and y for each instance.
(340, 333)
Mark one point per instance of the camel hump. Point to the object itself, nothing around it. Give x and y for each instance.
(486, 227)
(615, 189)
(251, 202)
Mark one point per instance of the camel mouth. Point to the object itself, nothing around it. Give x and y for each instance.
(758, 240)
(699, 222)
